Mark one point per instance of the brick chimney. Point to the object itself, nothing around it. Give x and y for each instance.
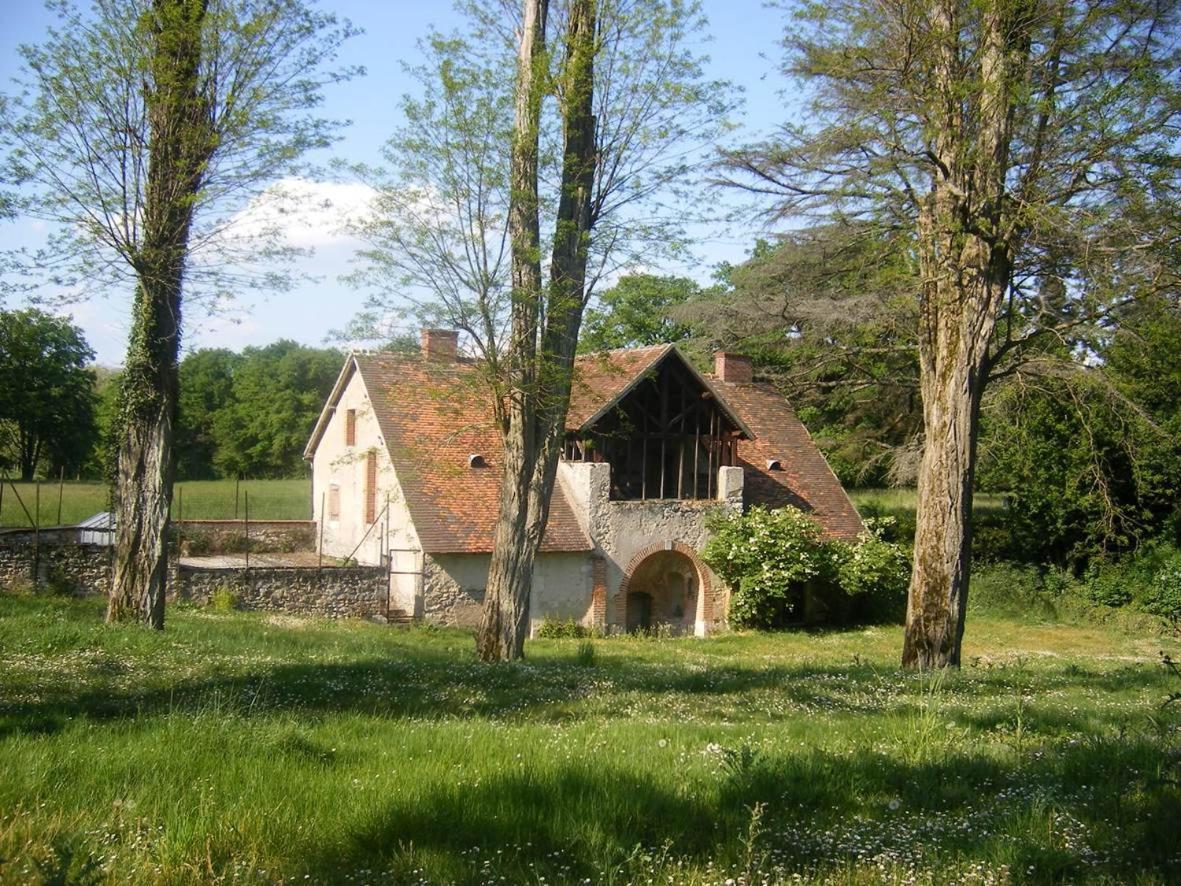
(440, 345)
(733, 367)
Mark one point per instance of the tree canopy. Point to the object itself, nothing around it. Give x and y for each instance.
(47, 398)
(1028, 151)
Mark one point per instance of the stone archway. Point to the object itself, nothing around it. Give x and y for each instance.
(665, 585)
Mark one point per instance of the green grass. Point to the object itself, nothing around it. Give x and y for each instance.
(904, 499)
(249, 748)
(193, 499)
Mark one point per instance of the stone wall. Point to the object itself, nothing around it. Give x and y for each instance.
(67, 568)
(624, 531)
(337, 592)
(198, 537)
(453, 588)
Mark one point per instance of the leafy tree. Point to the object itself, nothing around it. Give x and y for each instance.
(636, 311)
(1090, 457)
(277, 394)
(438, 246)
(631, 100)
(206, 379)
(828, 315)
(47, 400)
(1025, 148)
(143, 127)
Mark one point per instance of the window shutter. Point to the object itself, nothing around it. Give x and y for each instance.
(371, 487)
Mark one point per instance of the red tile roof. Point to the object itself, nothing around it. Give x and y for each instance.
(434, 415)
(804, 479)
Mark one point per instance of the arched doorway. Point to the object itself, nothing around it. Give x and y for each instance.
(663, 590)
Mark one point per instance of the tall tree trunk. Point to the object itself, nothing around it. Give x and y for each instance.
(966, 244)
(181, 145)
(501, 635)
(540, 386)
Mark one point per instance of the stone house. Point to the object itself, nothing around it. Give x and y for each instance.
(405, 466)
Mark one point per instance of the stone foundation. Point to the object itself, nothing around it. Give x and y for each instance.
(336, 592)
(65, 568)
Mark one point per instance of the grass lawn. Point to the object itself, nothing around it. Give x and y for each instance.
(193, 499)
(904, 499)
(241, 747)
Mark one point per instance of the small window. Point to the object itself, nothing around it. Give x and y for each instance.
(350, 428)
(333, 502)
(774, 464)
(475, 460)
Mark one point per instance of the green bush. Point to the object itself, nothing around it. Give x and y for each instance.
(776, 562)
(562, 629)
(1163, 596)
(223, 600)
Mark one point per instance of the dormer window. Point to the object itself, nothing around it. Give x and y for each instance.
(774, 464)
(475, 460)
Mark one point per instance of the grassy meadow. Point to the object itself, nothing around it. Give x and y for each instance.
(193, 500)
(247, 748)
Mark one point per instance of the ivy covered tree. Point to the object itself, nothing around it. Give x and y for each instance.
(143, 126)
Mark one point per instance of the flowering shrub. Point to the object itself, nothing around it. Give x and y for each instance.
(872, 565)
(772, 558)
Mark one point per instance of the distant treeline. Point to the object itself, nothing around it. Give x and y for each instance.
(246, 414)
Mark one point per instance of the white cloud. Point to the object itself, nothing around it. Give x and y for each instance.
(304, 213)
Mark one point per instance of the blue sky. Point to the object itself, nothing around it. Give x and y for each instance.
(743, 48)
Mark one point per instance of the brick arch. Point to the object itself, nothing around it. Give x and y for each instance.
(704, 585)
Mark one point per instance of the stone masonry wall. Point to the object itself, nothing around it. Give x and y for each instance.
(70, 568)
(338, 592)
(199, 537)
(453, 588)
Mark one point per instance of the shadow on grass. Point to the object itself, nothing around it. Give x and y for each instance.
(609, 824)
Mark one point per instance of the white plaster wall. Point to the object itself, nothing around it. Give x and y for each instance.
(454, 586)
(336, 462)
(562, 585)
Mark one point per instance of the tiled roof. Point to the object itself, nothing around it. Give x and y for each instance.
(601, 378)
(804, 480)
(432, 417)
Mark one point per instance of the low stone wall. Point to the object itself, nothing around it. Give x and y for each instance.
(67, 568)
(199, 537)
(337, 592)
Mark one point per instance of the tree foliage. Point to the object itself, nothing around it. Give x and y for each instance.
(437, 244)
(276, 393)
(47, 398)
(1026, 147)
(775, 560)
(637, 311)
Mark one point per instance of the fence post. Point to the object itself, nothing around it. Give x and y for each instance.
(61, 488)
(37, 536)
(237, 482)
(246, 502)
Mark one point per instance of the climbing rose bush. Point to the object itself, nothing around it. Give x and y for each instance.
(769, 558)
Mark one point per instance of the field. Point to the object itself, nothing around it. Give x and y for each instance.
(242, 748)
(272, 500)
(193, 500)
